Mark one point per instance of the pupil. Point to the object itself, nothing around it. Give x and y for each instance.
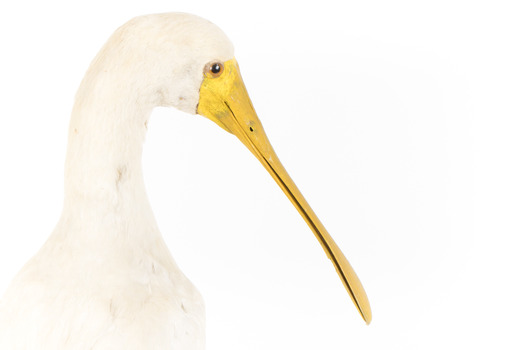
(216, 68)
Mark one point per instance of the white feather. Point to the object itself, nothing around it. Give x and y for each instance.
(105, 278)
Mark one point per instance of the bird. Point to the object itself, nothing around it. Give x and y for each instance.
(105, 278)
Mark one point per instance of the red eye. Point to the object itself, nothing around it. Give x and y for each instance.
(215, 69)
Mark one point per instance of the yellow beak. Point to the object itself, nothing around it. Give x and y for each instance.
(224, 99)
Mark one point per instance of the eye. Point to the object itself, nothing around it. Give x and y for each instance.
(215, 69)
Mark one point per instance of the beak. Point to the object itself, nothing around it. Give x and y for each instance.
(224, 99)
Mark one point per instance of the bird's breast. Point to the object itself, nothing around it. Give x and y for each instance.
(96, 303)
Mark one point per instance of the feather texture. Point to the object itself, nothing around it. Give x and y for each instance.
(105, 278)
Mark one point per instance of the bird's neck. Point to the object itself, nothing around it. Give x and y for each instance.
(104, 187)
(104, 146)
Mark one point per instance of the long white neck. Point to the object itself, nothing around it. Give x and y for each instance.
(105, 198)
(151, 61)
(106, 133)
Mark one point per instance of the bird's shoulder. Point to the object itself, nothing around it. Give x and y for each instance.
(64, 300)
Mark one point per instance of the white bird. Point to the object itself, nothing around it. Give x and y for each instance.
(105, 279)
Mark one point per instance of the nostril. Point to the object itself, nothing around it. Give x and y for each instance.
(251, 129)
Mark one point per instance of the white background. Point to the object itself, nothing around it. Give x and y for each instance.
(401, 121)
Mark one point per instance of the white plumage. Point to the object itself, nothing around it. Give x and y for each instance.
(105, 278)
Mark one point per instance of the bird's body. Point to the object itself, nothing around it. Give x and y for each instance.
(105, 278)
(70, 297)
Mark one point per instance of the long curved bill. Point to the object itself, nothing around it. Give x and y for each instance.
(224, 99)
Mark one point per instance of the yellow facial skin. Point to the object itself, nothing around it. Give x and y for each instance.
(224, 99)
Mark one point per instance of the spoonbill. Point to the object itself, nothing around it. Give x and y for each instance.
(105, 279)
